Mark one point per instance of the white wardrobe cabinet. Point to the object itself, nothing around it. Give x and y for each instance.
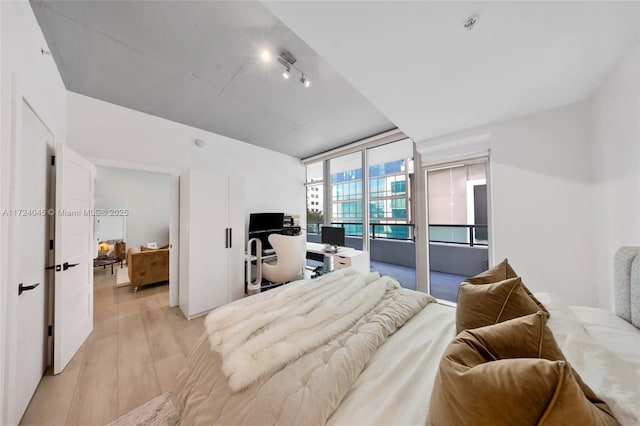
(211, 241)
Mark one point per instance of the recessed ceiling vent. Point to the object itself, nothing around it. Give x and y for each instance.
(470, 22)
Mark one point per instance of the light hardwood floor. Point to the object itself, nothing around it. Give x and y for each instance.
(137, 347)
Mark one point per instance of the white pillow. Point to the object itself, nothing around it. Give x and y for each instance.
(611, 331)
(602, 365)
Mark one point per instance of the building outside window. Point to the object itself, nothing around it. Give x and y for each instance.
(457, 199)
(388, 179)
(315, 187)
(346, 193)
(388, 199)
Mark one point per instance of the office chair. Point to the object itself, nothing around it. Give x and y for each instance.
(291, 252)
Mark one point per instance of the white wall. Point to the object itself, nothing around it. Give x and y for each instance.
(41, 85)
(273, 181)
(146, 197)
(615, 118)
(109, 223)
(542, 199)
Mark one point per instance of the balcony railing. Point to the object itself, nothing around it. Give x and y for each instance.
(470, 235)
(380, 231)
(314, 227)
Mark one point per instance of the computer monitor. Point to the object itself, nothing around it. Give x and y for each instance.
(333, 236)
(260, 222)
(261, 225)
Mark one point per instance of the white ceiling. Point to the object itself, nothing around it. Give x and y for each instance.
(377, 63)
(418, 65)
(198, 63)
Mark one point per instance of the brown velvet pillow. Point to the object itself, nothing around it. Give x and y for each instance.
(511, 373)
(523, 337)
(501, 272)
(488, 304)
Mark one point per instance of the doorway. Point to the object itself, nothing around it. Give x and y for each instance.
(132, 215)
(458, 225)
(112, 186)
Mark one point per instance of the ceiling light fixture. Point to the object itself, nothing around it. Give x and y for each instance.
(265, 55)
(287, 60)
(305, 82)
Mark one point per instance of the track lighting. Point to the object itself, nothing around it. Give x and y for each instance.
(287, 60)
(305, 82)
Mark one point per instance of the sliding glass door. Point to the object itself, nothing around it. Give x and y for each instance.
(457, 215)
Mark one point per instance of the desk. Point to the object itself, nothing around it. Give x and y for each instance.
(345, 257)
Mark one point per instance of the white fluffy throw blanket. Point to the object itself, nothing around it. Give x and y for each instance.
(262, 336)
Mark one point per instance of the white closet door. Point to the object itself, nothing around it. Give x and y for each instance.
(236, 251)
(209, 256)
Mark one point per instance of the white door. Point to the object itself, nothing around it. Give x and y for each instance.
(209, 273)
(73, 316)
(29, 224)
(237, 238)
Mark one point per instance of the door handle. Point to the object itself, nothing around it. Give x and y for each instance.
(230, 238)
(57, 268)
(23, 288)
(67, 265)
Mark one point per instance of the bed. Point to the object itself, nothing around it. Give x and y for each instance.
(375, 354)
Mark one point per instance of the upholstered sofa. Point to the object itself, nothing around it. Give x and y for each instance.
(148, 266)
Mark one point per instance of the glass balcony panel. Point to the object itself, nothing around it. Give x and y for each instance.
(449, 234)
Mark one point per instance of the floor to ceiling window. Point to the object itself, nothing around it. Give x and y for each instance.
(315, 197)
(458, 224)
(391, 214)
(346, 196)
(374, 207)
